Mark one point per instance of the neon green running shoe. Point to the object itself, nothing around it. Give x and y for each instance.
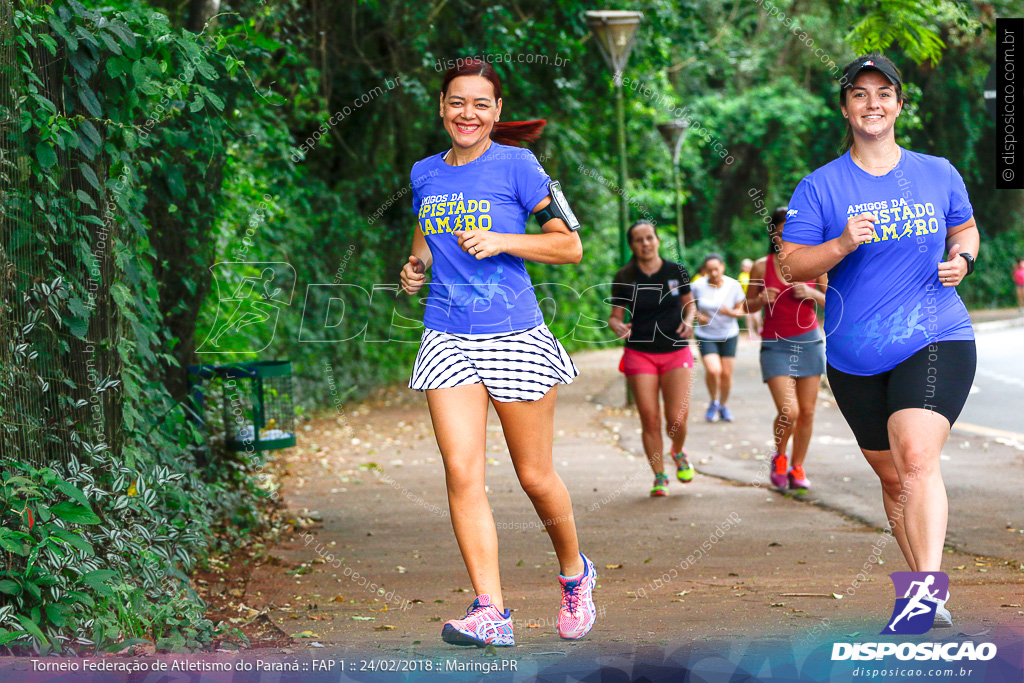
(660, 485)
(684, 470)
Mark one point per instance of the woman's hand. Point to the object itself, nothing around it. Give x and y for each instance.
(802, 291)
(481, 243)
(859, 229)
(685, 331)
(413, 275)
(703, 318)
(770, 295)
(953, 271)
(730, 312)
(621, 329)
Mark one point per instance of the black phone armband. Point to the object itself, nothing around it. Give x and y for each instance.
(558, 207)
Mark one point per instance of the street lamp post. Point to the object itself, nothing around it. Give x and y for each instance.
(673, 132)
(615, 32)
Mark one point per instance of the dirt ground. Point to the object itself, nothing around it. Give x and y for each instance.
(724, 579)
(373, 566)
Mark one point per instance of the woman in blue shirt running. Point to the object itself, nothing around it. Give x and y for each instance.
(485, 340)
(895, 231)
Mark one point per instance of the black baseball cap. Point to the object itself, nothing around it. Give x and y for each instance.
(874, 62)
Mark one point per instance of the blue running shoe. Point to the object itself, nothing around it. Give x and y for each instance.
(725, 413)
(712, 414)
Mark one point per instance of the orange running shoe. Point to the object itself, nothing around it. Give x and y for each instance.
(797, 479)
(778, 474)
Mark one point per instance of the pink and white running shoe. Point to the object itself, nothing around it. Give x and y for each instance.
(578, 612)
(483, 625)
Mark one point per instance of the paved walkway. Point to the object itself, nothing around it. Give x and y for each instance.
(379, 570)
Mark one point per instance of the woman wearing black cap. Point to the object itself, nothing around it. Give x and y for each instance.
(901, 357)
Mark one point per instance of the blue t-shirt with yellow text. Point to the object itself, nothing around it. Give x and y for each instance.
(884, 300)
(494, 192)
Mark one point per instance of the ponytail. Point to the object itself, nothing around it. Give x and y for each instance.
(778, 217)
(517, 133)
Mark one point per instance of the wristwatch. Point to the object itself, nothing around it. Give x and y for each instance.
(970, 261)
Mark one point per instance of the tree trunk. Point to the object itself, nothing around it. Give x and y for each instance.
(200, 12)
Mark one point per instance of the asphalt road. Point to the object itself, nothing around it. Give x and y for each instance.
(997, 399)
(982, 462)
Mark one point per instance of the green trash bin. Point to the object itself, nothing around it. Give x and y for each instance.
(259, 414)
(258, 410)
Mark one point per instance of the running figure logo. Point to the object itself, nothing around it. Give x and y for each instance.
(481, 290)
(246, 299)
(914, 613)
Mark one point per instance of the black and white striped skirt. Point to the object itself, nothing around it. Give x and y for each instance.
(513, 366)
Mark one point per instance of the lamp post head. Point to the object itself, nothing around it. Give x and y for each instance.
(615, 32)
(672, 133)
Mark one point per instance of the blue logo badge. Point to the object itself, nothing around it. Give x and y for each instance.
(917, 596)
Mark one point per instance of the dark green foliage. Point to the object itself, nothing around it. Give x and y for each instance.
(763, 94)
(103, 517)
(177, 150)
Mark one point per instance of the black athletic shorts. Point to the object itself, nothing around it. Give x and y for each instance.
(938, 378)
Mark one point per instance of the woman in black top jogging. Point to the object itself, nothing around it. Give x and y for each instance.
(656, 293)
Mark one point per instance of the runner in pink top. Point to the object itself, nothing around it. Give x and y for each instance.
(1018, 281)
(791, 311)
(792, 355)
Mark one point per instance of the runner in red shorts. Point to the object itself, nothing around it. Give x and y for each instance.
(655, 293)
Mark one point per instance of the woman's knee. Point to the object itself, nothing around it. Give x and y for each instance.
(464, 479)
(676, 422)
(917, 461)
(789, 414)
(889, 478)
(538, 484)
(805, 413)
(891, 485)
(650, 423)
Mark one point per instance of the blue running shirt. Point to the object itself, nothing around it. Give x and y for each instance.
(496, 192)
(884, 300)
